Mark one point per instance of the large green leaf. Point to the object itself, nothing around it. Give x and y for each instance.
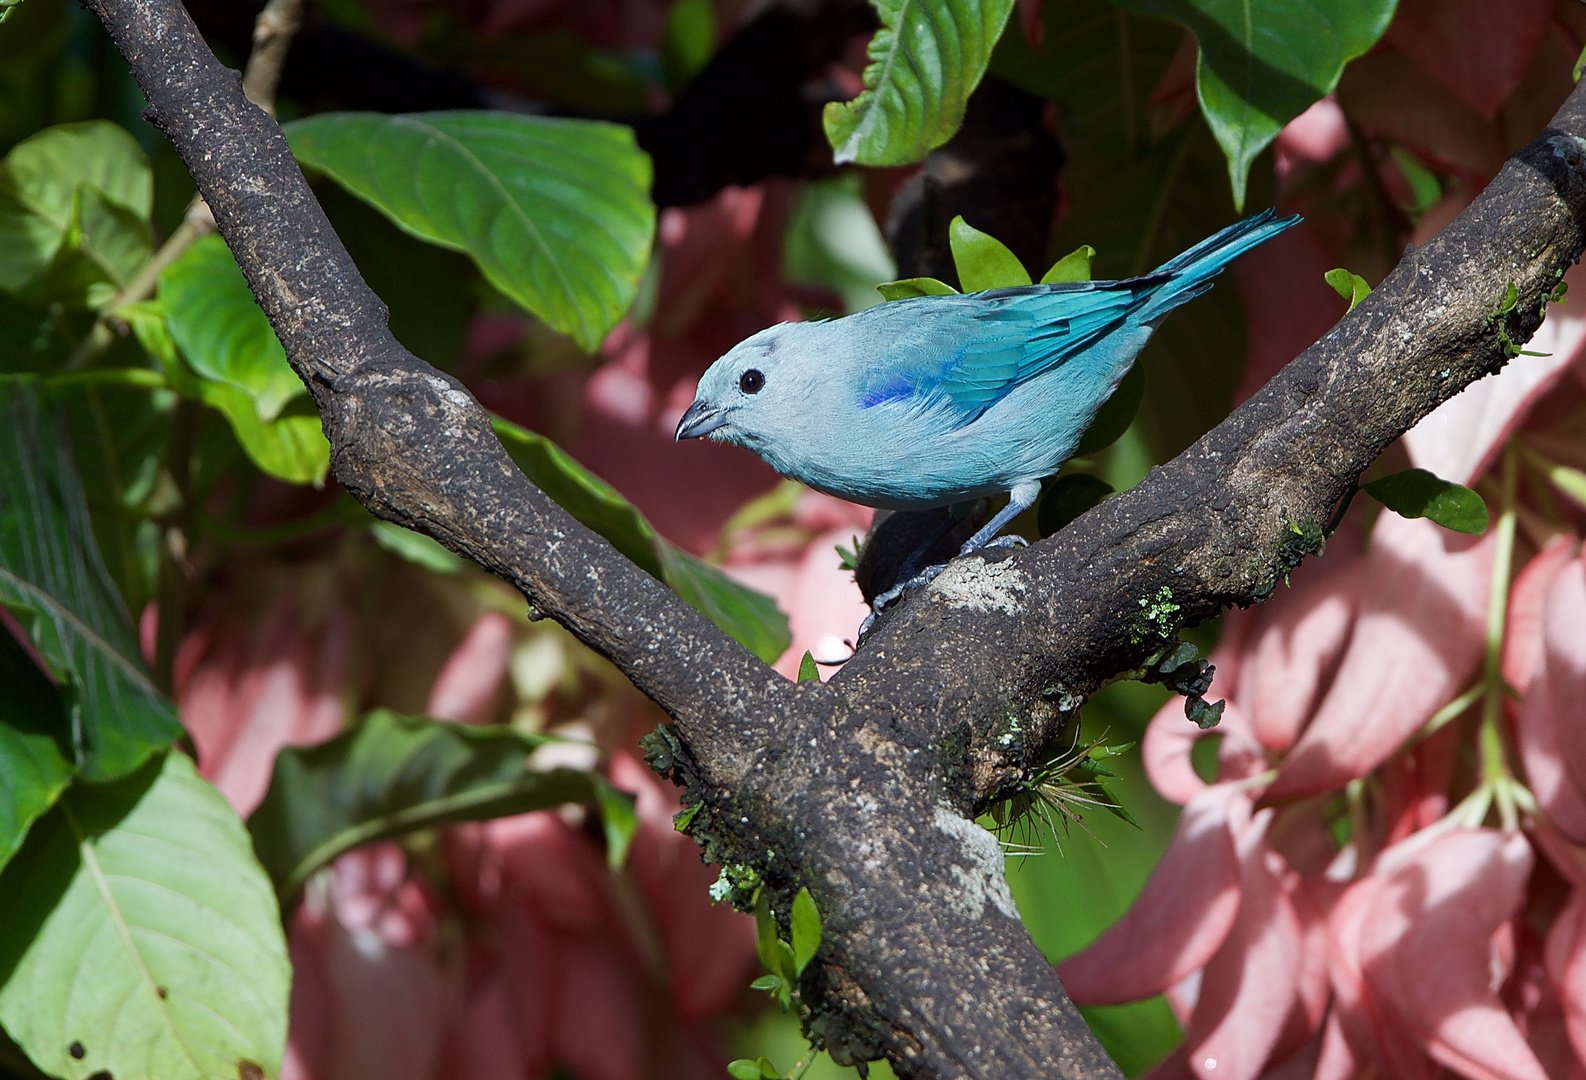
(750, 617)
(391, 775)
(74, 204)
(219, 327)
(556, 212)
(35, 745)
(54, 582)
(1262, 64)
(139, 939)
(925, 61)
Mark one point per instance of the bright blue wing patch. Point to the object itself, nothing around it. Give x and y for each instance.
(972, 352)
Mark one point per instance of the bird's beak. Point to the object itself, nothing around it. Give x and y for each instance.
(701, 419)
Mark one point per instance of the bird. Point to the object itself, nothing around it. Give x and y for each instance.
(939, 400)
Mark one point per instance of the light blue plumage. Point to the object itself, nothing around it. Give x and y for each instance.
(941, 399)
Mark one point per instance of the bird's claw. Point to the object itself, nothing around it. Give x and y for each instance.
(882, 601)
(1010, 540)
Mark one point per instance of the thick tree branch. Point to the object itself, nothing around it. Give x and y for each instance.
(859, 789)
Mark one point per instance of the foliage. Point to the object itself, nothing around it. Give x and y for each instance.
(482, 837)
(924, 62)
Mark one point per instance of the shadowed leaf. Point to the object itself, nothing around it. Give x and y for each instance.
(35, 745)
(55, 584)
(1263, 64)
(390, 775)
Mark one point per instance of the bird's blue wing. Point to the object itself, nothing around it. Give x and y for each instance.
(966, 354)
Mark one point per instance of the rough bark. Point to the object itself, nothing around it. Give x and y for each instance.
(862, 789)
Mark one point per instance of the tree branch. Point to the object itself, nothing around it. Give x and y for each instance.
(860, 789)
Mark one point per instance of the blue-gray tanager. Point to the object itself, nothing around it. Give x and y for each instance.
(941, 399)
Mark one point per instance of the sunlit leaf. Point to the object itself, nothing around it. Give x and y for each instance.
(1262, 64)
(911, 287)
(555, 212)
(983, 261)
(1075, 266)
(926, 59)
(139, 938)
(74, 207)
(390, 775)
(1417, 493)
(808, 671)
(292, 447)
(1351, 287)
(220, 329)
(35, 745)
(55, 584)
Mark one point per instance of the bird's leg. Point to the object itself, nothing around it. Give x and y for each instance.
(1020, 499)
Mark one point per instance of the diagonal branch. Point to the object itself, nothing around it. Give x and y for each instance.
(859, 789)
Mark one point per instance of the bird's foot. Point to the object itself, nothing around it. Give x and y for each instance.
(1011, 540)
(881, 602)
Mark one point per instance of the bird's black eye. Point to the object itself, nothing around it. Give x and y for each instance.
(751, 381)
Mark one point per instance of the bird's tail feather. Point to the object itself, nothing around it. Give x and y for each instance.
(1191, 272)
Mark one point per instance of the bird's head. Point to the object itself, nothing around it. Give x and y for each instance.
(756, 394)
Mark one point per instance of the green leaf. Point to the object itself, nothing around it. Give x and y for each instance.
(389, 775)
(555, 212)
(768, 1071)
(291, 447)
(35, 745)
(1416, 493)
(75, 201)
(766, 982)
(743, 1069)
(1066, 498)
(914, 286)
(1262, 64)
(54, 582)
(5, 8)
(1351, 287)
(618, 819)
(805, 926)
(1075, 266)
(1115, 414)
(983, 261)
(767, 946)
(415, 547)
(750, 617)
(687, 42)
(925, 61)
(217, 324)
(808, 672)
(139, 937)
